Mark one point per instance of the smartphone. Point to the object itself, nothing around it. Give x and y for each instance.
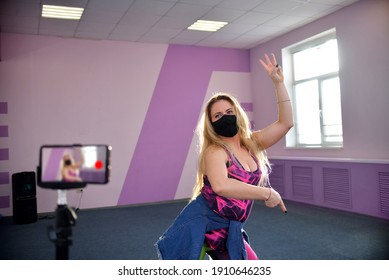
(73, 166)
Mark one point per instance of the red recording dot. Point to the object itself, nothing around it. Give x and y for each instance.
(99, 164)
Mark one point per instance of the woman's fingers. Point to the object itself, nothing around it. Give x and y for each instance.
(273, 57)
(282, 206)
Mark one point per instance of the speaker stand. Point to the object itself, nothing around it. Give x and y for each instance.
(61, 235)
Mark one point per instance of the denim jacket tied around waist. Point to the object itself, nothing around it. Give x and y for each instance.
(184, 239)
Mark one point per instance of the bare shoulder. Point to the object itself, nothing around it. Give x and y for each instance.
(215, 158)
(214, 151)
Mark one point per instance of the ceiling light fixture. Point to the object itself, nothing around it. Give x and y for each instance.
(207, 25)
(62, 12)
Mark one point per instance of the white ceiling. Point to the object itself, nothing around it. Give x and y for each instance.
(251, 22)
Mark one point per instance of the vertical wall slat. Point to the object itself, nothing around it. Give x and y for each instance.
(277, 178)
(302, 183)
(337, 187)
(383, 184)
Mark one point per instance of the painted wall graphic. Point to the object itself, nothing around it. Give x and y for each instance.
(5, 198)
(235, 83)
(167, 131)
(142, 99)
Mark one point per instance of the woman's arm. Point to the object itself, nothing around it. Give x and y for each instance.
(271, 134)
(80, 163)
(216, 171)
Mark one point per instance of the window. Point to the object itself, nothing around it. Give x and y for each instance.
(315, 90)
(90, 156)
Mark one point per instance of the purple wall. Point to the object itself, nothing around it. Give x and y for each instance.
(361, 187)
(4, 156)
(167, 132)
(144, 100)
(52, 165)
(362, 31)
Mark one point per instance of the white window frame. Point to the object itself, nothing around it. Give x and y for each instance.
(292, 140)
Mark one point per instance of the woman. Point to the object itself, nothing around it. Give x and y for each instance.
(232, 173)
(70, 170)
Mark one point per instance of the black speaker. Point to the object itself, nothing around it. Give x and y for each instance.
(24, 197)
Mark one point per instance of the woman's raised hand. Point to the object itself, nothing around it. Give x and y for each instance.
(272, 68)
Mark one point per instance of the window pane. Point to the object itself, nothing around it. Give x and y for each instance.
(316, 61)
(308, 113)
(331, 110)
(90, 156)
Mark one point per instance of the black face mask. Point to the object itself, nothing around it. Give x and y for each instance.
(226, 126)
(68, 162)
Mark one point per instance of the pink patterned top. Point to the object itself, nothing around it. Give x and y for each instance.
(232, 209)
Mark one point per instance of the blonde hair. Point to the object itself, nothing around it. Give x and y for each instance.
(207, 137)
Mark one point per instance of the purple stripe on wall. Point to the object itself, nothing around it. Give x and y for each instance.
(4, 201)
(167, 131)
(3, 130)
(50, 171)
(3, 107)
(4, 178)
(247, 106)
(4, 154)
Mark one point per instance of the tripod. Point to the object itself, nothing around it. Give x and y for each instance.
(61, 235)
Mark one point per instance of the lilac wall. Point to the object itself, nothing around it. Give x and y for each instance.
(237, 83)
(171, 118)
(5, 177)
(362, 31)
(143, 99)
(363, 36)
(64, 91)
(360, 187)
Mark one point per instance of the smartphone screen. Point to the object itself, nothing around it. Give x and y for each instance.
(67, 164)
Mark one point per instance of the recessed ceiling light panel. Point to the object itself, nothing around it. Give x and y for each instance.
(207, 25)
(62, 12)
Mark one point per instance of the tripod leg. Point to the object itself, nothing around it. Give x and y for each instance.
(62, 249)
(64, 222)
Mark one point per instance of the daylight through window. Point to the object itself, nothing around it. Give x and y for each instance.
(316, 95)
